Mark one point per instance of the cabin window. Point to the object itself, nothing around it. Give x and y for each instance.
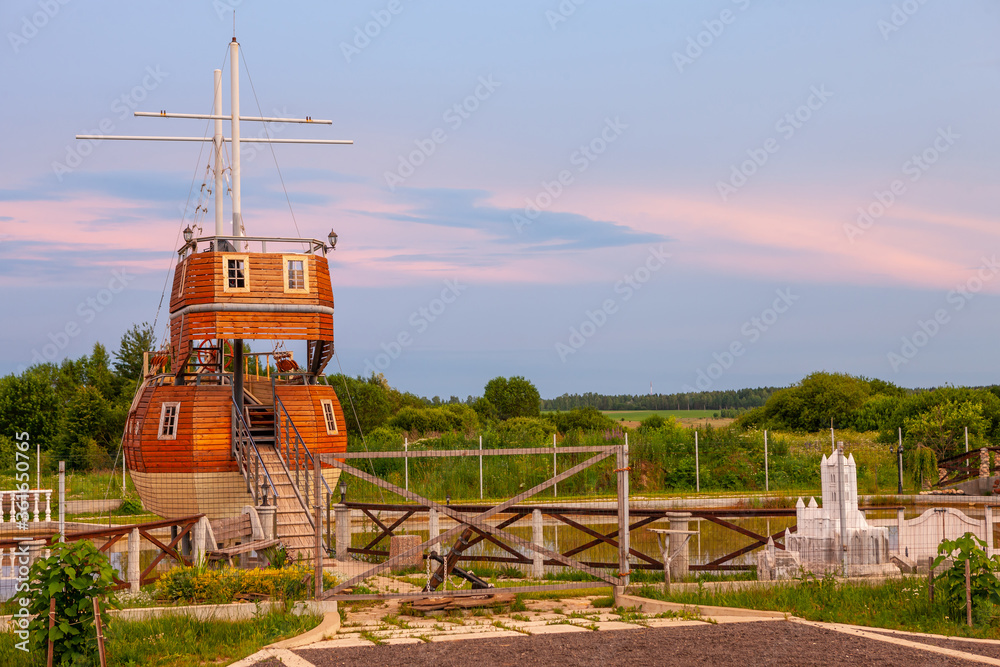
(329, 416)
(168, 421)
(235, 273)
(295, 272)
(236, 277)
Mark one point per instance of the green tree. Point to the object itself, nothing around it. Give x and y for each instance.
(366, 402)
(513, 397)
(28, 403)
(128, 359)
(86, 422)
(942, 428)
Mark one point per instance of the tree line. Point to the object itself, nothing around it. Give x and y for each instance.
(731, 399)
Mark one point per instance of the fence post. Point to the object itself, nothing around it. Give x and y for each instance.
(930, 576)
(342, 519)
(697, 469)
(767, 478)
(317, 480)
(134, 554)
(989, 531)
(52, 624)
(968, 594)
(555, 494)
(966, 439)
(537, 538)
(680, 558)
(62, 501)
(406, 462)
(100, 632)
(623, 520)
(900, 521)
(480, 471)
(434, 529)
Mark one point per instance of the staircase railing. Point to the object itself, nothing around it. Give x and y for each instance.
(244, 450)
(296, 457)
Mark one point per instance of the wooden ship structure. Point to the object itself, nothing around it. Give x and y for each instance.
(215, 427)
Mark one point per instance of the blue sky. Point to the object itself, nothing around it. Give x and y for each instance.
(622, 195)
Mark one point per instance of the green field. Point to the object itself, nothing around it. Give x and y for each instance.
(639, 415)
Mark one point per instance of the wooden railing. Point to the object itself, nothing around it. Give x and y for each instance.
(181, 528)
(966, 466)
(244, 450)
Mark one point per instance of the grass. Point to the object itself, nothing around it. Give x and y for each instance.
(181, 641)
(639, 415)
(899, 604)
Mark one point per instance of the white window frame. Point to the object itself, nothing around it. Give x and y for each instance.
(225, 273)
(324, 403)
(285, 259)
(176, 406)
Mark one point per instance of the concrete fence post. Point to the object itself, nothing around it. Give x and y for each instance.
(434, 529)
(34, 551)
(267, 515)
(342, 528)
(198, 548)
(132, 574)
(900, 522)
(537, 559)
(989, 530)
(680, 561)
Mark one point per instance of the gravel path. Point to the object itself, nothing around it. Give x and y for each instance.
(988, 649)
(773, 643)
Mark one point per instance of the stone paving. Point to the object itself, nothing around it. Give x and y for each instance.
(383, 624)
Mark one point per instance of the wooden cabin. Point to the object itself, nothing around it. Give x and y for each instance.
(215, 427)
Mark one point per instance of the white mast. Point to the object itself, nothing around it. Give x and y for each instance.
(217, 140)
(234, 104)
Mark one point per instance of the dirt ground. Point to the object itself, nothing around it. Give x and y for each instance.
(772, 643)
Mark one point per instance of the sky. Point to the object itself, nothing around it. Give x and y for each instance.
(601, 197)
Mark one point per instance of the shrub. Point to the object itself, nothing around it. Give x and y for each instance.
(200, 584)
(985, 587)
(130, 506)
(524, 432)
(73, 575)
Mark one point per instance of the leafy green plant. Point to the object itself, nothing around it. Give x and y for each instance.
(130, 506)
(277, 556)
(985, 587)
(73, 576)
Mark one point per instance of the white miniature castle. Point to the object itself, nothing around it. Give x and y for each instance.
(818, 545)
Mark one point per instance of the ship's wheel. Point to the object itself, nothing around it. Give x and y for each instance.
(205, 356)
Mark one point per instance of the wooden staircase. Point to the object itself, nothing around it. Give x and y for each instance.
(295, 529)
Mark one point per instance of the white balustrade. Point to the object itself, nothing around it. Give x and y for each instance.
(15, 498)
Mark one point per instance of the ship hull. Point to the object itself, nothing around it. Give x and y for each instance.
(188, 467)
